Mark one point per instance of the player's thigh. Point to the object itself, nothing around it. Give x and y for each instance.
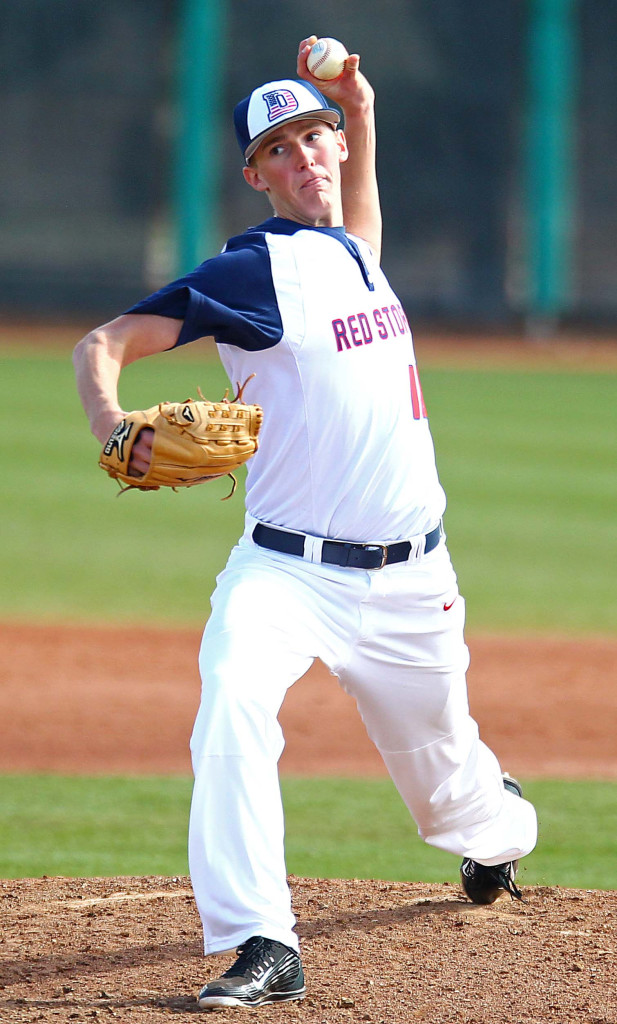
(255, 645)
(409, 677)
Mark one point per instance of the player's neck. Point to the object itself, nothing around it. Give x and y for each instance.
(330, 216)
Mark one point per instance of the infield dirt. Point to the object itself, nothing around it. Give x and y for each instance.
(128, 949)
(113, 700)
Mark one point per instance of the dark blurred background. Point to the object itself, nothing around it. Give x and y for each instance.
(497, 148)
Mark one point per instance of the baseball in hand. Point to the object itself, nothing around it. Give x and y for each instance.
(327, 59)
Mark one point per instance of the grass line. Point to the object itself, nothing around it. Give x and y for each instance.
(336, 828)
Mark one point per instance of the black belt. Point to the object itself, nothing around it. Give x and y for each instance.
(338, 552)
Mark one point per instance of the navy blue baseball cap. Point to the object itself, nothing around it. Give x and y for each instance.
(276, 103)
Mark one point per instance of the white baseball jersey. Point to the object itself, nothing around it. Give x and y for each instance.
(345, 449)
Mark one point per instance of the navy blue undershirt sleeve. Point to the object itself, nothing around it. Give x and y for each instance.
(230, 297)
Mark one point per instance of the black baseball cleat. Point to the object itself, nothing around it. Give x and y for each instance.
(265, 972)
(484, 884)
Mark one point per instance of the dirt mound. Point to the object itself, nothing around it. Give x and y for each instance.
(127, 949)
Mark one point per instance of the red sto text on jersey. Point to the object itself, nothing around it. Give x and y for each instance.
(361, 328)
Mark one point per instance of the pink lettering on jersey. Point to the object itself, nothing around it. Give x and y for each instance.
(382, 330)
(365, 327)
(418, 407)
(386, 310)
(340, 333)
(400, 323)
(356, 329)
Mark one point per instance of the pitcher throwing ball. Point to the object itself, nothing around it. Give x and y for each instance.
(343, 556)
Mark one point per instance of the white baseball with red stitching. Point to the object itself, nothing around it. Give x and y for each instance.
(327, 59)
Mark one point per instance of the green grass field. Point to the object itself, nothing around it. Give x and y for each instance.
(336, 828)
(527, 459)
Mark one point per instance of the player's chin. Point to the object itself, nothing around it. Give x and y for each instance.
(316, 204)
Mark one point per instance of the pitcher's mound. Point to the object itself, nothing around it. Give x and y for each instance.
(128, 949)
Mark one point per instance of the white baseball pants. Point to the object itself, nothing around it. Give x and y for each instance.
(394, 638)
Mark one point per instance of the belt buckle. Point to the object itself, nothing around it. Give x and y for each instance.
(378, 547)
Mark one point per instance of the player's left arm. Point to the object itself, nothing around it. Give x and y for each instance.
(360, 191)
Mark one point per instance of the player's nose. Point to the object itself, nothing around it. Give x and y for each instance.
(304, 156)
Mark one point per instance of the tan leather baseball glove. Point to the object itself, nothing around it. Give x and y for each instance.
(194, 441)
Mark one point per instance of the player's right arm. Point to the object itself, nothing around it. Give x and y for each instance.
(102, 354)
(359, 186)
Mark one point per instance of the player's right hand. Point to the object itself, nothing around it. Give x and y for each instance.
(350, 90)
(141, 453)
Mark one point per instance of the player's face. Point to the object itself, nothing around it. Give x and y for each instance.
(299, 167)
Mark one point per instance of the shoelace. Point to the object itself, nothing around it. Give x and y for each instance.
(251, 956)
(503, 876)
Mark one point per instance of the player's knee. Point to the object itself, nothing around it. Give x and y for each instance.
(233, 720)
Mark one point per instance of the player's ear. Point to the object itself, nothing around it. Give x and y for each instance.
(341, 142)
(253, 178)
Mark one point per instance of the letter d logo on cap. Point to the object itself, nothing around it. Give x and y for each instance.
(279, 103)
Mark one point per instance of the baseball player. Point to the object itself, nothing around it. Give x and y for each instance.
(343, 556)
